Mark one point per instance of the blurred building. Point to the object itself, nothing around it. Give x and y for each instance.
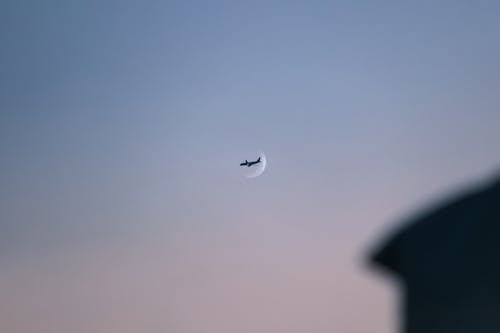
(449, 262)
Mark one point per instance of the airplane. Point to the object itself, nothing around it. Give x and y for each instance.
(249, 164)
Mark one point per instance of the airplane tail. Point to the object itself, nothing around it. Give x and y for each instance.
(258, 160)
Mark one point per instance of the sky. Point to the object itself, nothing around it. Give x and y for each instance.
(122, 125)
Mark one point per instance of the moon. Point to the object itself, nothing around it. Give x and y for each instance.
(259, 168)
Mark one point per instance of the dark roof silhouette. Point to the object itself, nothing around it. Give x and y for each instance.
(449, 261)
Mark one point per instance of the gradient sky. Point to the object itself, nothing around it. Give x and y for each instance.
(122, 124)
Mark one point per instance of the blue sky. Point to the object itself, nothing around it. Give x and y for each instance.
(122, 125)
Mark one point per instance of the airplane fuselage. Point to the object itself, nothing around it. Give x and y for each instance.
(249, 164)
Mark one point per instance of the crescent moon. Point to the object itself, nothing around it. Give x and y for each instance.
(260, 168)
